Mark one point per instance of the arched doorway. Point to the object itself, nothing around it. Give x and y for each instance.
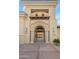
(39, 34)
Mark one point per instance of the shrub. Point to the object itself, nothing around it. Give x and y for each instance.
(56, 41)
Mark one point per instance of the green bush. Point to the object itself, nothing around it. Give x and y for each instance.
(56, 41)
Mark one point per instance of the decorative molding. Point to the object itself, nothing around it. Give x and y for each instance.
(39, 10)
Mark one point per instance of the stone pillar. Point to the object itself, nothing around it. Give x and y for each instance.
(46, 36)
(32, 37)
(28, 37)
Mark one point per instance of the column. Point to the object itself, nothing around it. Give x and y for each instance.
(46, 36)
(28, 37)
(49, 36)
(32, 37)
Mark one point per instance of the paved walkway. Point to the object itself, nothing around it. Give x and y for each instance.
(38, 51)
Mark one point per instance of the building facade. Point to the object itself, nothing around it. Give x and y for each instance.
(37, 22)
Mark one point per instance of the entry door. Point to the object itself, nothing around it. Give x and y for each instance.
(40, 37)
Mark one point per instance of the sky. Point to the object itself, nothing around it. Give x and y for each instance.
(57, 10)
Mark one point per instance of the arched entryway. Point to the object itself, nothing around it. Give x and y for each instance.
(39, 34)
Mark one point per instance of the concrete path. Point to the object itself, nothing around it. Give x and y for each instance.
(38, 51)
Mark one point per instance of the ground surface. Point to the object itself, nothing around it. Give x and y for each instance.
(39, 51)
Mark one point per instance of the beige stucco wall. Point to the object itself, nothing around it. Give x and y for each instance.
(22, 28)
